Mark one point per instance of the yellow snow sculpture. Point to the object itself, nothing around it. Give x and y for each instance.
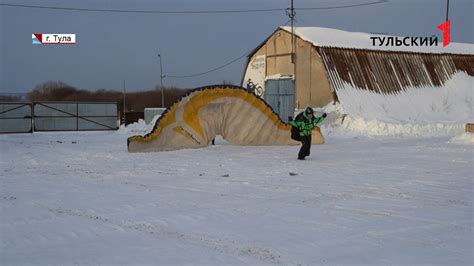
(236, 114)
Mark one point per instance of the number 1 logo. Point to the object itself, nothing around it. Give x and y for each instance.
(446, 29)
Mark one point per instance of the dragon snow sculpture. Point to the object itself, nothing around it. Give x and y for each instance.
(236, 114)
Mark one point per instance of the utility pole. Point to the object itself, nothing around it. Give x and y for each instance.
(161, 83)
(447, 11)
(123, 107)
(291, 13)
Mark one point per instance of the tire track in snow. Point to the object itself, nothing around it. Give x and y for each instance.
(223, 245)
(393, 214)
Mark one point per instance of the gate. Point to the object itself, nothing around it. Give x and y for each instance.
(16, 117)
(280, 95)
(75, 116)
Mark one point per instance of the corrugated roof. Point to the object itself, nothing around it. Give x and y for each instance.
(391, 72)
(326, 37)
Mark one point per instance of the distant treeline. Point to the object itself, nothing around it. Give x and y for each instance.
(134, 101)
(10, 98)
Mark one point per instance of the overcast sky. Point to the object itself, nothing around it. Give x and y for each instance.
(112, 47)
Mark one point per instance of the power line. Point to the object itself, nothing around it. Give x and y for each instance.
(145, 11)
(185, 11)
(216, 68)
(345, 6)
(211, 70)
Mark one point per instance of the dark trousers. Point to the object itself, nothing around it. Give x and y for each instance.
(305, 147)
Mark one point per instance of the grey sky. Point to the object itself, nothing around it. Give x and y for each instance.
(112, 47)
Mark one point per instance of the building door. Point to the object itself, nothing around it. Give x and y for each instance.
(280, 95)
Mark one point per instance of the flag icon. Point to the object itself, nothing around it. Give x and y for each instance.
(36, 38)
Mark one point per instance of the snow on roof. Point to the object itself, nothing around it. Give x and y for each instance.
(327, 37)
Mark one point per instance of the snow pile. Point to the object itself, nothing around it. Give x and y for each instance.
(451, 103)
(138, 128)
(327, 37)
(338, 123)
(417, 112)
(465, 138)
(359, 126)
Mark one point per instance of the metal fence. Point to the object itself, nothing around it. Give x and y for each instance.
(57, 116)
(64, 116)
(16, 117)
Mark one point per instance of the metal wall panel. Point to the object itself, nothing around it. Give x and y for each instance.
(97, 123)
(55, 123)
(55, 116)
(60, 116)
(88, 109)
(280, 95)
(15, 117)
(272, 94)
(287, 98)
(51, 109)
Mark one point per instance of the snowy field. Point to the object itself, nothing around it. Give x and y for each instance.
(81, 198)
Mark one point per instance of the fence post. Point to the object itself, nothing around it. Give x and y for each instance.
(77, 116)
(33, 116)
(32, 113)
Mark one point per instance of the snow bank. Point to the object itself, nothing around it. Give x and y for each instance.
(451, 103)
(417, 112)
(339, 123)
(138, 128)
(359, 126)
(464, 138)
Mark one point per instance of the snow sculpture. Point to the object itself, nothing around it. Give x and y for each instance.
(237, 115)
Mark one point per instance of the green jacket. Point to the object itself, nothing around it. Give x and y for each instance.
(305, 124)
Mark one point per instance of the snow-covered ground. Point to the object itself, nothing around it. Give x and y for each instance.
(81, 198)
